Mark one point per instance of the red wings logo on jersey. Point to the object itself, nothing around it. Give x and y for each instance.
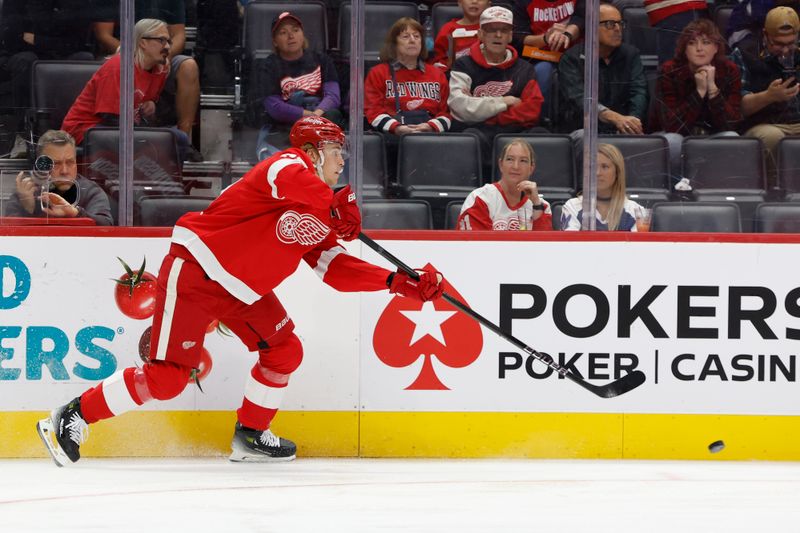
(493, 88)
(303, 229)
(414, 104)
(310, 83)
(503, 225)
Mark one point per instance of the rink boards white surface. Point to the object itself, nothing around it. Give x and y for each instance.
(379, 380)
(367, 495)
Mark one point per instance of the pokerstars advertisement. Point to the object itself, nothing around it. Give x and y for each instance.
(714, 327)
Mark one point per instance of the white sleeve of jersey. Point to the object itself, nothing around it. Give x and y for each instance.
(467, 108)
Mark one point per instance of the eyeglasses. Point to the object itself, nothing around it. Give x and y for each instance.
(162, 40)
(611, 24)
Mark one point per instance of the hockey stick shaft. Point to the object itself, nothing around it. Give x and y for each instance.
(621, 386)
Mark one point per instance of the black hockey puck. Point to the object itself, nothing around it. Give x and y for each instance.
(716, 446)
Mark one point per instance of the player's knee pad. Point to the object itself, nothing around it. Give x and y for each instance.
(166, 380)
(283, 357)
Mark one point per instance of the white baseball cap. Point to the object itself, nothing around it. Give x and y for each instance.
(496, 14)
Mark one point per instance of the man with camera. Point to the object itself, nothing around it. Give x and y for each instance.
(54, 188)
(770, 106)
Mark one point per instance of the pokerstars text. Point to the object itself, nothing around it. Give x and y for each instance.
(697, 311)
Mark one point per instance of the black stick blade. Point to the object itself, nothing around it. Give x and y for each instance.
(624, 384)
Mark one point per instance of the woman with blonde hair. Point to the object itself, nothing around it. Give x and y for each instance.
(513, 202)
(614, 211)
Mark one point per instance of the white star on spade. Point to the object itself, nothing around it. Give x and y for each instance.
(428, 321)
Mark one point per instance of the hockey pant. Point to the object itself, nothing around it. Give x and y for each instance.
(186, 302)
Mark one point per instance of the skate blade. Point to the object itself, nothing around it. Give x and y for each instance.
(47, 433)
(241, 454)
(237, 457)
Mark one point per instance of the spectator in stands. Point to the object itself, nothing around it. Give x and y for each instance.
(40, 30)
(98, 103)
(698, 92)
(747, 19)
(181, 96)
(292, 83)
(542, 32)
(491, 91)
(622, 88)
(770, 105)
(513, 202)
(68, 195)
(457, 35)
(403, 95)
(614, 211)
(669, 17)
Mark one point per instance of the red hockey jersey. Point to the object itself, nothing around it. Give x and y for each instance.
(255, 233)
(453, 41)
(488, 208)
(423, 88)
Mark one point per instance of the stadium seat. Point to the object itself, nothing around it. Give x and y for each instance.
(444, 12)
(696, 217)
(556, 214)
(778, 218)
(396, 214)
(438, 168)
(647, 174)
(378, 18)
(452, 212)
(639, 33)
(258, 17)
(54, 87)
(722, 16)
(727, 169)
(554, 173)
(164, 211)
(156, 167)
(375, 175)
(789, 167)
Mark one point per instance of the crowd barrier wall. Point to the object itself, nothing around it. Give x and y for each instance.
(712, 320)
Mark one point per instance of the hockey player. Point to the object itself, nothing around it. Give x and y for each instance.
(223, 264)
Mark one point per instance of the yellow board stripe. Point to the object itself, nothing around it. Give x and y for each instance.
(456, 435)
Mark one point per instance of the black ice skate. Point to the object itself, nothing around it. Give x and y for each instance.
(64, 432)
(253, 445)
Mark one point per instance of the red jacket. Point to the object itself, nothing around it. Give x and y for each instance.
(254, 235)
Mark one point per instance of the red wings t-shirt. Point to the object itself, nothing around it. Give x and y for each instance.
(101, 95)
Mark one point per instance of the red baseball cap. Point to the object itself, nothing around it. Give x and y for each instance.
(283, 17)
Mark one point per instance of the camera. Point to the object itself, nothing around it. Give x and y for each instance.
(42, 167)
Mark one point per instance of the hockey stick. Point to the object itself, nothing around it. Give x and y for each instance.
(624, 384)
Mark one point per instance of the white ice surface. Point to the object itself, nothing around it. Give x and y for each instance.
(355, 495)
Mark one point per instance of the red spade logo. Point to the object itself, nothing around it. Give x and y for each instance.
(408, 329)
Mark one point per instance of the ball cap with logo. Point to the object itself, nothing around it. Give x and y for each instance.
(497, 14)
(283, 17)
(782, 21)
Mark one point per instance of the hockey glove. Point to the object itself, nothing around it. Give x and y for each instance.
(345, 217)
(429, 286)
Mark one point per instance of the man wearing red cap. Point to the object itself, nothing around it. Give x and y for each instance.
(282, 211)
(293, 82)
